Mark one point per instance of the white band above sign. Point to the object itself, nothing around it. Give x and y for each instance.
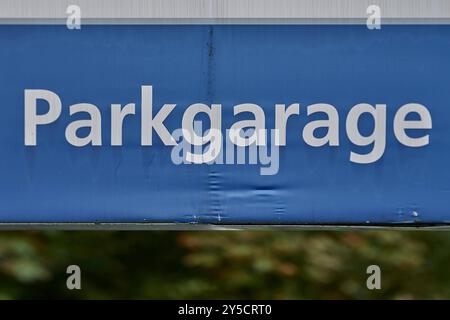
(225, 11)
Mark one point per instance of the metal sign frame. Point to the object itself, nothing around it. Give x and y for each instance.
(224, 11)
(220, 12)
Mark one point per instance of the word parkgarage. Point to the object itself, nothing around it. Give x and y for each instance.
(155, 122)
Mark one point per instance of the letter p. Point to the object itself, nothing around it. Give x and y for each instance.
(32, 119)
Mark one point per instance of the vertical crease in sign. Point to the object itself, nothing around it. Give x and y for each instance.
(210, 66)
(214, 182)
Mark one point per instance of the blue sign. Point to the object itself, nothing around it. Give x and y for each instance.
(225, 124)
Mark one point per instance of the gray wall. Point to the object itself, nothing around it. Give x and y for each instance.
(225, 10)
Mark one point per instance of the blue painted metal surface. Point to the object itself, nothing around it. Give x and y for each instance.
(228, 64)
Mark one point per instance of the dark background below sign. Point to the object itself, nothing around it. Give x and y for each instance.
(232, 265)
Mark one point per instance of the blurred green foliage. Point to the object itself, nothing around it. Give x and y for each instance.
(225, 264)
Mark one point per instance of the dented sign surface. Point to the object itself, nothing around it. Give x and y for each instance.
(228, 124)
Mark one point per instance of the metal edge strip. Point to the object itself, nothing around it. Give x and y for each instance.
(214, 227)
(224, 21)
